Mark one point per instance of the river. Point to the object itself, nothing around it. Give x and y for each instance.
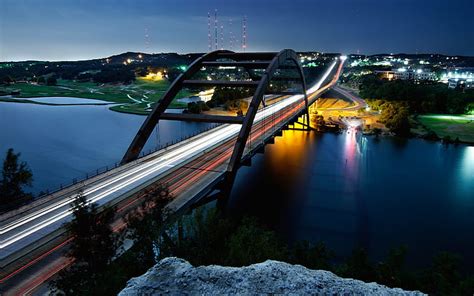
(347, 190)
(354, 191)
(61, 143)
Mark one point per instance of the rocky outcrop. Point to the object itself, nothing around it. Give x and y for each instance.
(177, 276)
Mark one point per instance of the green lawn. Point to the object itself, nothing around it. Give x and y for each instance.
(455, 126)
(134, 98)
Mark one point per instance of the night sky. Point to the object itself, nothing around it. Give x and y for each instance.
(83, 29)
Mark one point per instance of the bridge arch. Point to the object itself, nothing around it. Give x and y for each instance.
(270, 62)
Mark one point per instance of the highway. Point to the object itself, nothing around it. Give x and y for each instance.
(359, 102)
(181, 166)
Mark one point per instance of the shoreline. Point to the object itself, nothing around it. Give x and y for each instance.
(19, 100)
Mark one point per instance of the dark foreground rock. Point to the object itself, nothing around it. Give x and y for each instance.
(177, 276)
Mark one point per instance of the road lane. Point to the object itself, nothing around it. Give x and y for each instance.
(185, 160)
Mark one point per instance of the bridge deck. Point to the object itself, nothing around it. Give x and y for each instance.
(190, 168)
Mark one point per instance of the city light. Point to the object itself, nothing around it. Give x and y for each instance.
(154, 76)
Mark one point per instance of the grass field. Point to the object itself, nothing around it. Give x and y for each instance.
(455, 126)
(137, 97)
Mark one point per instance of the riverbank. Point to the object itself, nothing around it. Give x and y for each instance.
(446, 127)
(458, 128)
(135, 98)
(39, 102)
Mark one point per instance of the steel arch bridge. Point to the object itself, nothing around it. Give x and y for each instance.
(270, 62)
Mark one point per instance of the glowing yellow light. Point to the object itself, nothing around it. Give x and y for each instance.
(154, 76)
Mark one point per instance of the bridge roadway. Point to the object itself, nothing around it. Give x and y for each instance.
(190, 168)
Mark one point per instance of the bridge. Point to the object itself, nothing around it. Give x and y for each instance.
(199, 168)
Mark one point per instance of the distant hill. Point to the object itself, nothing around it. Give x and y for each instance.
(132, 61)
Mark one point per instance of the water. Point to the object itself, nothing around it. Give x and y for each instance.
(60, 143)
(354, 191)
(346, 190)
(65, 101)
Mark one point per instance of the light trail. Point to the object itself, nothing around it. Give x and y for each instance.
(169, 159)
(205, 163)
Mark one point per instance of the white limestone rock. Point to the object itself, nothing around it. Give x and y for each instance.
(177, 277)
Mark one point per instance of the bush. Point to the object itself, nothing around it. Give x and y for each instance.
(15, 176)
(420, 98)
(115, 75)
(51, 80)
(197, 107)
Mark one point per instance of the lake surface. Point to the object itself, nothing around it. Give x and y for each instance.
(60, 143)
(346, 190)
(65, 101)
(353, 191)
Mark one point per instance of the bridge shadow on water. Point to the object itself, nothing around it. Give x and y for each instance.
(306, 193)
(353, 191)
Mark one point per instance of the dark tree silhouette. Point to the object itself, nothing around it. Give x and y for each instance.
(92, 249)
(15, 176)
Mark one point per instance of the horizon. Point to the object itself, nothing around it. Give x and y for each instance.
(72, 31)
(199, 53)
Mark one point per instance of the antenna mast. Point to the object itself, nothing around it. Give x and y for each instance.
(244, 33)
(222, 36)
(216, 45)
(231, 36)
(209, 36)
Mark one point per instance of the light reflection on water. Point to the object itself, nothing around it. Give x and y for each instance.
(468, 165)
(466, 176)
(351, 191)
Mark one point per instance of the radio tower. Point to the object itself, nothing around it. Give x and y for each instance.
(216, 45)
(231, 36)
(147, 41)
(222, 37)
(244, 33)
(209, 36)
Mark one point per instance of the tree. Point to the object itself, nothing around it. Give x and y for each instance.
(51, 80)
(358, 266)
(443, 276)
(197, 107)
(92, 249)
(390, 271)
(222, 95)
(115, 75)
(312, 256)
(145, 224)
(41, 80)
(15, 176)
(251, 243)
(6, 80)
(395, 117)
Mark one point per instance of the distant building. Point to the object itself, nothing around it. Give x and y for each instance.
(461, 83)
(425, 75)
(457, 73)
(388, 75)
(407, 74)
(404, 74)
